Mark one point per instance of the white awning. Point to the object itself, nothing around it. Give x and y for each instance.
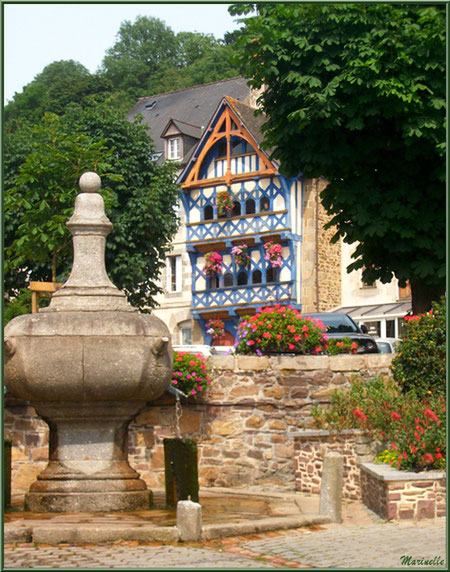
(376, 312)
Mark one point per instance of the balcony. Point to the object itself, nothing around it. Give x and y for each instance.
(237, 227)
(251, 294)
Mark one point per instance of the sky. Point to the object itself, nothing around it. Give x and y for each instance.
(39, 33)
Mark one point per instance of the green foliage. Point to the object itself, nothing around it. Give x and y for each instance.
(282, 329)
(412, 430)
(149, 58)
(59, 84)
(419, 365)
(42, 186)
(190, 373)
(356, 93)
(21, 304)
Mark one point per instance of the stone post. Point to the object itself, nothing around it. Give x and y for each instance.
(189, 520)
(331, 487)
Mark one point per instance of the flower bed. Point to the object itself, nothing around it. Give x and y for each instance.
(190, 373)
(282, 329)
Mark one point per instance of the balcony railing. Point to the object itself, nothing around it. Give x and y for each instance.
(237, 226)
(242, 295)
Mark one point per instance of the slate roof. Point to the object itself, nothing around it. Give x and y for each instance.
(193, 105)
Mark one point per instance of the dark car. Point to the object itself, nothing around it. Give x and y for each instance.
(342, 326)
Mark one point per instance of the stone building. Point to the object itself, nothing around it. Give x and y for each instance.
(211, 130)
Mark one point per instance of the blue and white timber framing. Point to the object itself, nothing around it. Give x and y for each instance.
(267, 207)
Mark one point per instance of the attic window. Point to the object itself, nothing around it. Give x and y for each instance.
(150, 104)
(174, 148)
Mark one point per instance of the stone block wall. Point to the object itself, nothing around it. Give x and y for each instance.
(310, 448)
(244, 424)
(401, 495)
(321, 260)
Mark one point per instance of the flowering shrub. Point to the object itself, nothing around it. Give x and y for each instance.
(283, 329)
(190, 373)
(344, 345)
(241, 255)
(273, 254)
(215, 328)
(411, 430)
(213, 264)
(224, 203)
(419, 364)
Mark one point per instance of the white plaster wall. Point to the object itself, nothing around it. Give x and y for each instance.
(353, 294)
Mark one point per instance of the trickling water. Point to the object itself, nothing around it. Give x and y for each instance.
(178, 414)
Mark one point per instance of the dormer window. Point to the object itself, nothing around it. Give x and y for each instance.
(174, 148)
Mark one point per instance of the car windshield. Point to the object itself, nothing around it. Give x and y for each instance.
(336, 324)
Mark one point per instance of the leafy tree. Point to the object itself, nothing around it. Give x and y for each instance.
(42, 190)
(356, 93)
(142, 50)
(59, 84)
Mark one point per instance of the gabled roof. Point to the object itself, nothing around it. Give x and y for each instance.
(242, 114)
(184, 128)
(193, 105)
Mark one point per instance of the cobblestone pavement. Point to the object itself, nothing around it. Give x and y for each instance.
(380, 545)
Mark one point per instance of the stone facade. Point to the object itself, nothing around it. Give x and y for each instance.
(403, 495)
(244, 425)
(321, 260)
(310, 448)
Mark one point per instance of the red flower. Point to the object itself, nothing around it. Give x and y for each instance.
(395, 416)
(291, 346)
(394, 446)
(438, 455)
(431, 415)
(267, 335)
(358, 413)
(428, 458)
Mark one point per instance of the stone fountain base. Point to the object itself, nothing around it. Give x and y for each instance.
(88, 469)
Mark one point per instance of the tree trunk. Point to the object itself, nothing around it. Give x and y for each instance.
(424, 294)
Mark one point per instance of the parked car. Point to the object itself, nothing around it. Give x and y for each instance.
(388, 345)
(342, 326)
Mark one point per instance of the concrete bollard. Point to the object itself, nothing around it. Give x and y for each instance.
(189, 520)
(331, 488)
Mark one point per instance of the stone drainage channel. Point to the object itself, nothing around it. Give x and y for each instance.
(225, 513)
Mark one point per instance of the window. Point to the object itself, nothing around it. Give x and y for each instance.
(256, 277)
(363, 284)
(271, 275)
(236, 209)
(208, 213)
(228, 280)
(242, 278)
(185, 333)
(173, 149)
(264, 204)
(214, 283)
(250, 206)
(173, 267)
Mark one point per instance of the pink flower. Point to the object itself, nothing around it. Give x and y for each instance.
(267, 335)
(192, 363)
(291, 346)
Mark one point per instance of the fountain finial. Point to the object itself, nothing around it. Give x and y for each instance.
(88, 287)
(90, 182)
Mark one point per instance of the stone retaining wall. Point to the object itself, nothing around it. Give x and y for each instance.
(403, 495)
(310, 448)
(244, 424)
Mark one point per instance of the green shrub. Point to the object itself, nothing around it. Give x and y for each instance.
(21, 304)
(190, 373)
(419, 365)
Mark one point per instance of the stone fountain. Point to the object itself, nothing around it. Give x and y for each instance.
(88, 364)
